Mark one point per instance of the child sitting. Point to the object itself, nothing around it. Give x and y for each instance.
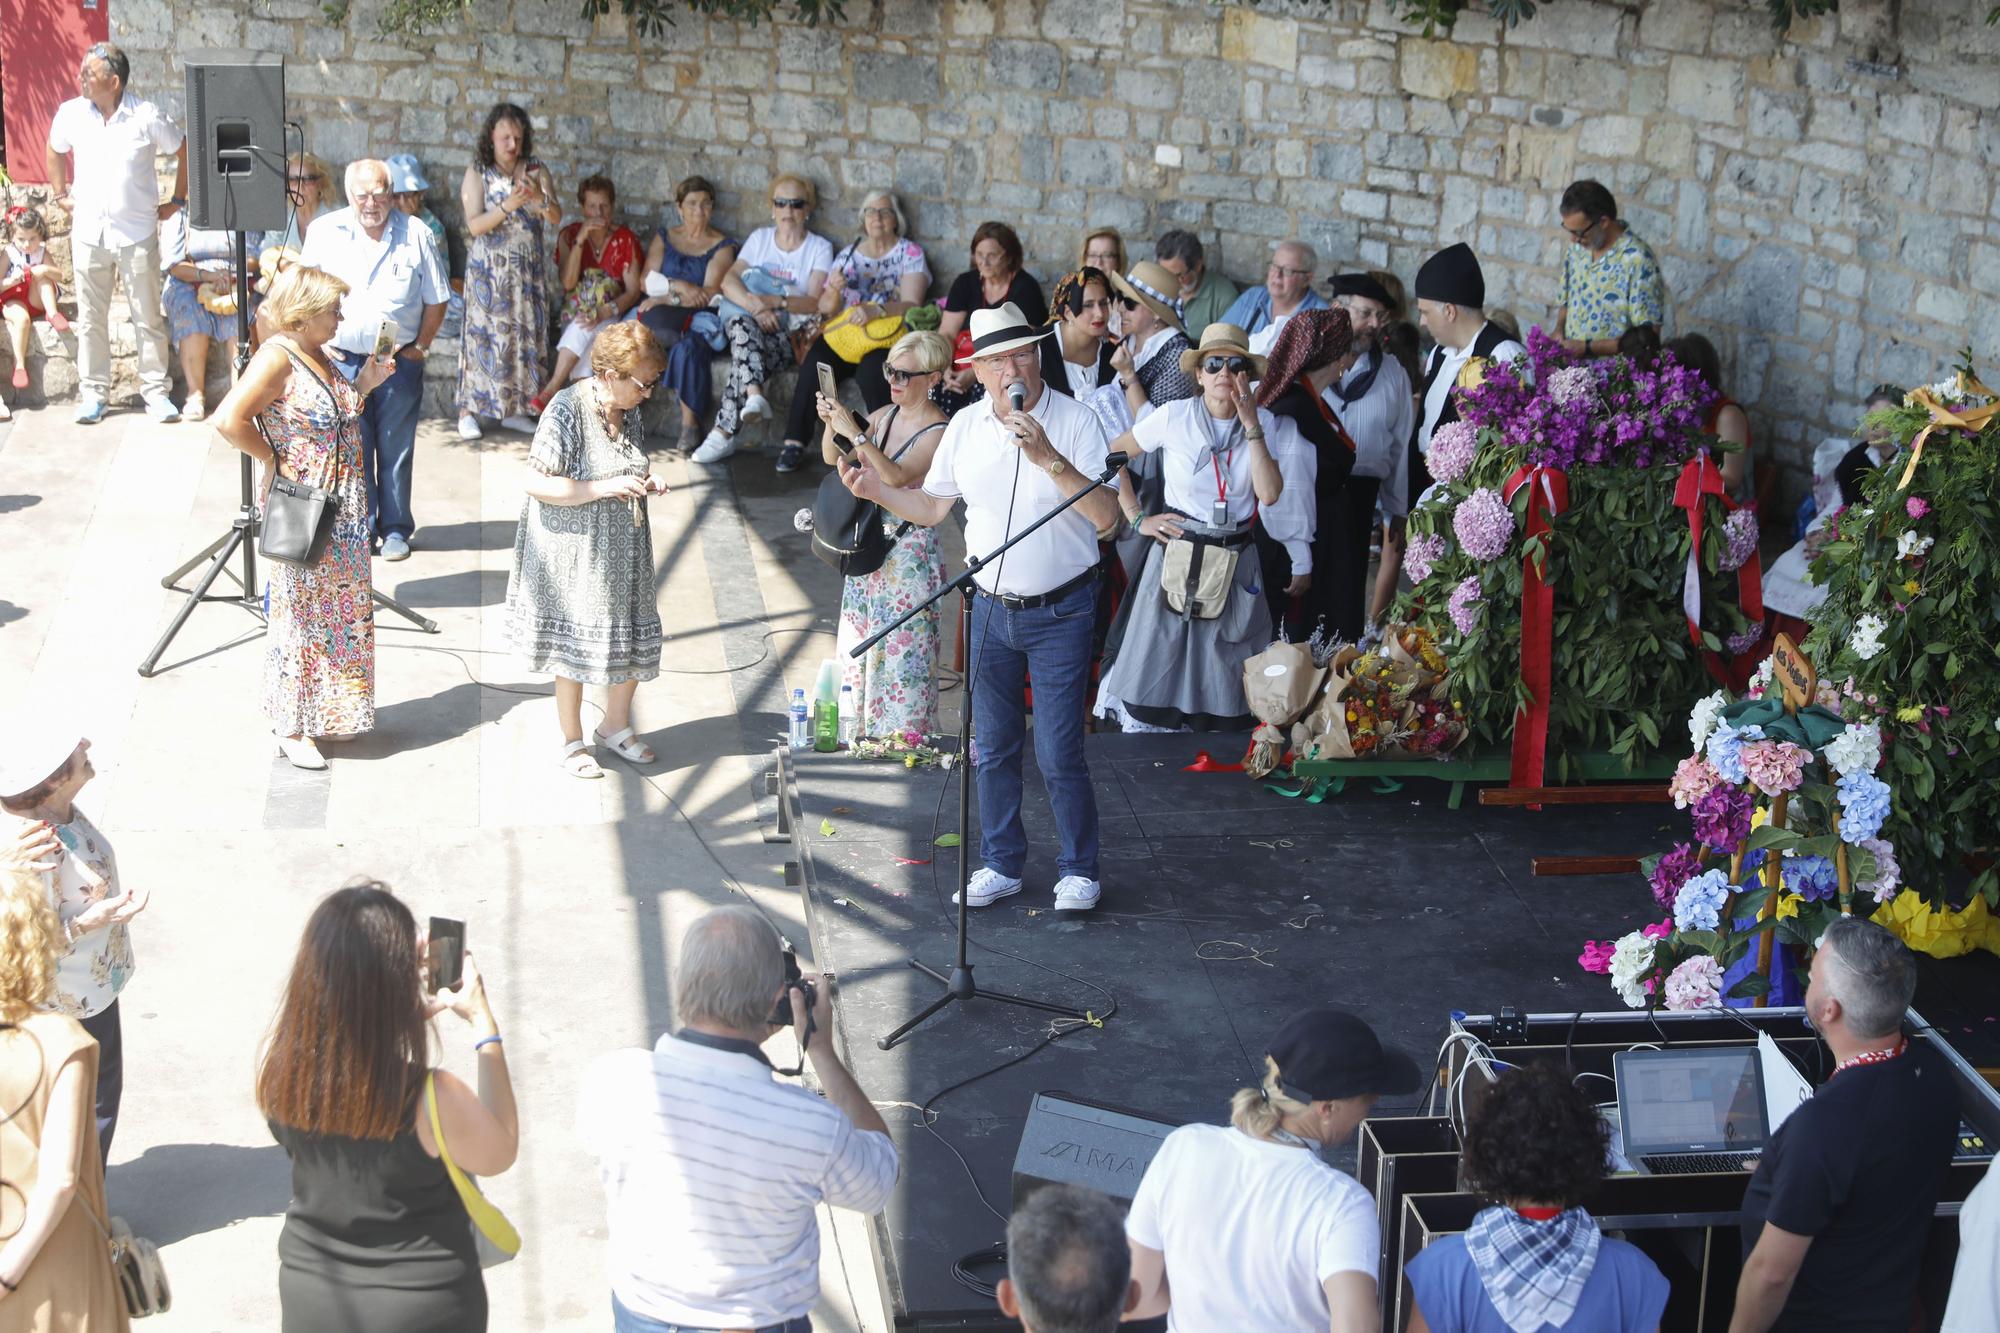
(28, 284)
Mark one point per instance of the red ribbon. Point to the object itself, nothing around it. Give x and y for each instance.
(1699, 479)
(1205, 763)
(1548, 495)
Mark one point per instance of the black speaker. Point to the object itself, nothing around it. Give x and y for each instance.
(1071, 1141)
(236, 141)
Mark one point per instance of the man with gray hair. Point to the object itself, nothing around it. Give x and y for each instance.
(113, 198)
(1263, 312)
(712, 1167)
(396, 282)
(1837, 1216)
(1069, 1269)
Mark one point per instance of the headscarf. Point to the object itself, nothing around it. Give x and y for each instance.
(1069, 288)
(1310, 340)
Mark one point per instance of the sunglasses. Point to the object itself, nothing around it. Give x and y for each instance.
(1235, 365)
(1128, 303)
(788, 203)
(899, 376)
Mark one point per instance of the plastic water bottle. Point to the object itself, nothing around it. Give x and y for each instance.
(850, 718)
(800, 735)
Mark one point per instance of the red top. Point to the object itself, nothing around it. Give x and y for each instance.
(619, 253)
(1715, 415)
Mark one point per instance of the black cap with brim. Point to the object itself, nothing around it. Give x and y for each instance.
(1362, 285)
(1327, 1054)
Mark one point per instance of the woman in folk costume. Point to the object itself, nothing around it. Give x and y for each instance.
(1198, 610)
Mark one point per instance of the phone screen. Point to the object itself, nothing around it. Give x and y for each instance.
(447, 953)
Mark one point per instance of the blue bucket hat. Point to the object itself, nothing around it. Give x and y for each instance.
(406, 174)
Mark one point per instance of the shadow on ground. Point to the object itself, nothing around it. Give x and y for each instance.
(177, 1190)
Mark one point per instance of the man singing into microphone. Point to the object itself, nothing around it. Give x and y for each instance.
(1013, 456)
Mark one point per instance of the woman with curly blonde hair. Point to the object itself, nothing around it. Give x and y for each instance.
(55, 1270)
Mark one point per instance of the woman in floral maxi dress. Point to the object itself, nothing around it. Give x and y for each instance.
(510, 204)
(895, 683)
(293, 412)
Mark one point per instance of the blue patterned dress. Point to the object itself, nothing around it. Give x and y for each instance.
(506, 326)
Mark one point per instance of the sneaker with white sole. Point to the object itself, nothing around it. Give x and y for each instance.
(756, 408)
(715, 448)
(988, 886)
(524, 424)
(194, 409)
(1074, 893)
(162, 409)
(790, 455)
(395, 546)
(89, 410)
(468, 427)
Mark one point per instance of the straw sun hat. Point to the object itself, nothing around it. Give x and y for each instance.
(1224, 340)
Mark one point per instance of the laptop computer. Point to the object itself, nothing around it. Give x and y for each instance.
(1691, 1110)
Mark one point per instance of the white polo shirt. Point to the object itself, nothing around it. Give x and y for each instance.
(393, 278)
(114, 192)
(712, 1169)
(979, 462)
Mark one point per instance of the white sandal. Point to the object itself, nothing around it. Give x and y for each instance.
(302, 753)
(627, 746)
(578, 761)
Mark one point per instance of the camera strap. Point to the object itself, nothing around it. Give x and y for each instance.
(734, 1045)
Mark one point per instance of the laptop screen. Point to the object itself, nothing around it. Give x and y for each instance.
(1705, 1100)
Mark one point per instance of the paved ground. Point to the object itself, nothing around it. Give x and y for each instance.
(575, 893)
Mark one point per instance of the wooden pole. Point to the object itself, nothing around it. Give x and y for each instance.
(1841, 873)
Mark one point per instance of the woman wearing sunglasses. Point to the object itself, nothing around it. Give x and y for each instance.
(1197, 612)
(777, 279)
(581, 602)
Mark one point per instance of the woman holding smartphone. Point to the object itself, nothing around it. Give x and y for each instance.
(376, 1235)
(895, 684)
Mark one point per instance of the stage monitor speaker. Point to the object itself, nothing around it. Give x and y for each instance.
(1071, 1141)
(236, 141)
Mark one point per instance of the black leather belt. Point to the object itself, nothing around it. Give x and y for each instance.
(1013, 603)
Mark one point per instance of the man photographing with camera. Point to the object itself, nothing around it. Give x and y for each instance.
(711, 1166)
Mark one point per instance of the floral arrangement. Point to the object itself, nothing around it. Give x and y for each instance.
(1622, 663)
(911, 748)
(1787, 816)
(1912, 575)
(1389, 701)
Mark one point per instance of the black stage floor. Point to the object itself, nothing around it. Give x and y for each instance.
(1225, 908)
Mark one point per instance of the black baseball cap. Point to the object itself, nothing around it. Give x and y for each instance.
(1326, 1054)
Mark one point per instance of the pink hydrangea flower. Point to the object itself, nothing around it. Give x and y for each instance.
(1695, 984)
(1453, 446)
(1484, 524)
(1916, 506)
(1466, 605)
(1692, 780)
(1596, 955)
(1739, 532)
(1423, 553)
(1775, 766)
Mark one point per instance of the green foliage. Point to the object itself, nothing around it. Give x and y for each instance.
(1934, 687)
(651, 17)
(1439, 16)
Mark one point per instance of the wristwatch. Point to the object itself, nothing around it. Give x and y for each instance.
(179, 201)
(1057, 468)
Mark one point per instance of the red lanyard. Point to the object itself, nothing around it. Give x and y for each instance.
(1221, 483)
(1882, 1056)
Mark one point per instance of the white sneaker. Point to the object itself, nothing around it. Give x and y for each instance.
(1074, 893)
(988, 886)
(194, 409)
(756, 408)
(395, 546)
(468, 427)
(526, 425)
(715, 448)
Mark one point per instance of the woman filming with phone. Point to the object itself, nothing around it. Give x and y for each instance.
(377, 1234)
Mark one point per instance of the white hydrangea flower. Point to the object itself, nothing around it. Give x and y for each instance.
(1703, 717)
(1911, 544)
(1857, 749)
(1631, 964)
(1866, 641)
(1761, 678)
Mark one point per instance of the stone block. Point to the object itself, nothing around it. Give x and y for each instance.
(1153, 89)
(423, 125)
(1962, 81)
(1611, 136)
(1336, 161)
(1962, 188)
(1545, 157)
(1092, 162)
(1912, 118)
(1983, 267)
(724, 68)
(1440, 70)
(1705, 90)
(1586, 29)
(970, 18)
(1670, 147)
(895, 124)
(1752, 179)
(920, 171)
(1943, 305)
(1777, 115)
(1761, 292)
(809, 51)
(909, 79)
(1212, 90)
(1413, 210)
(1927, 248)
(1099, 22)
(1364, 204)
(1252, 219)
(1289, 157)
(1681, 26)
(1253, 38)
(504, 53)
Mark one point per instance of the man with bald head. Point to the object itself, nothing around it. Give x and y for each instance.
(396, 286)
(1263, 312)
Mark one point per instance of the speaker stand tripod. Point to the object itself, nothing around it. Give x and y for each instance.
(241, 538)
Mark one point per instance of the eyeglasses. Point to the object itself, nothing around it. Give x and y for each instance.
(1215, 365)
(897, 375)
(305, 180)
(371, 196)
(1576, 234)
(878, 212)
(788, 203)
(643, 386)
(1281, 271)
(1020, 356)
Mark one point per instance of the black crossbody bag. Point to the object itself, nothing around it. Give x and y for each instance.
(298, 516)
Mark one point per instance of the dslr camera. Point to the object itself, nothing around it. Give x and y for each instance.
(781, 1013)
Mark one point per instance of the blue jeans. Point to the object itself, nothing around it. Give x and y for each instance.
(1053, 643)
(389, 439)
(624, 1321)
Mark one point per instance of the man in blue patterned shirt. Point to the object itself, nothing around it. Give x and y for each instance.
(1611, 281)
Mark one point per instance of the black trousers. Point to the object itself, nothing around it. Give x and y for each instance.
(801, 421)
(110, 1036)
(1340, 558)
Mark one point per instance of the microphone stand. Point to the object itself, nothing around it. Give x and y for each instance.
(959, 984)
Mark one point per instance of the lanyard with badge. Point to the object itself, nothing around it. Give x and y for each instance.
(1219, 451)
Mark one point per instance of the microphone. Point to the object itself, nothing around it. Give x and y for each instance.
(1115, 462)
(1017, 395)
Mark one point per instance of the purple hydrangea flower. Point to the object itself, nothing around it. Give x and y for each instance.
(1452, 448)
(1671, 871)
(1484, 524)
(1739, 533)
(1466, 605)
(1888, 875)
(1722, 818)
(1813, 878)
(1423, 553)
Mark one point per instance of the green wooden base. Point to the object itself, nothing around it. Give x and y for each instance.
(1592, 766)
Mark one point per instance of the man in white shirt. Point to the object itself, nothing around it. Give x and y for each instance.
(1036, 606)
(711, 1166)
(394, 276)
(113, 197)
(1451, 305)
(1374, 404)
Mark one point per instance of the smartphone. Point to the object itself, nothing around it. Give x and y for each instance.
(385, 340)
(447, 953)
(827, 385)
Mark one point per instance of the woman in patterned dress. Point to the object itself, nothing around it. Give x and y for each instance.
(510, 204)
(581, 602)
(300, 418)
(895, 685)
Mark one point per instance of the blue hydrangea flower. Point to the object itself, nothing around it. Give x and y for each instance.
(1725, 749)
(1864, 804)
(1698, 906)
(1813, 878)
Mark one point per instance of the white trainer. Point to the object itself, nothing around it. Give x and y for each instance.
(988, 886)
(468, 427)
(756, 408)
(524, 424)
(715, 448)
(1074, 893)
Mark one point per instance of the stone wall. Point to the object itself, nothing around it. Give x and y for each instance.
(1823, 201)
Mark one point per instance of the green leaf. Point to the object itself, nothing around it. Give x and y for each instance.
(826, 829)
(947, 840)
(1750, 987)
(1769, 837)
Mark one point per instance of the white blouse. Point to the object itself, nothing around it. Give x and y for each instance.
(1182, 430)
